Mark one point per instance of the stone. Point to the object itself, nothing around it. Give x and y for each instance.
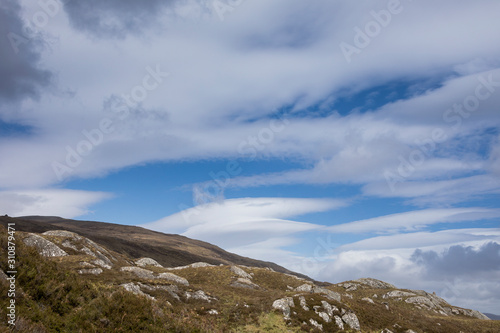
(377, 284)
(143, 262)
(421, 300)
(303, 303)
(213, 312)
(244, 283)
(283, 305)
(324, 316)
(306, 288)
(398, 293)
(135, 289)
(45, 247)
(199, 295)
(316, 324)
(332, 295)
(173, 278)
(367, 299)
(386, 330)
(63, 233)
(94, 271)
(139, 272)
(240, 272)
(339, 322)
(101, 263)
(69, 245)
(328, 308)
(352, 321)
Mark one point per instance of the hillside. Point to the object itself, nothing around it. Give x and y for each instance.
(67, 282)
(169, 250)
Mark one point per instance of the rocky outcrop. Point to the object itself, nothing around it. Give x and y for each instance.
(143, 262)
(374, 283)
(45, 247)
(173, 278)
(398, 293)
(310, 288)
(135, 289)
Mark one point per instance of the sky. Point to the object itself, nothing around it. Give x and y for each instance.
(340, 139)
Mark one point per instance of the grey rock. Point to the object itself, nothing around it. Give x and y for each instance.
(101, 263)
(68, 244)
(377, 284)
(421, 300)
(45, 247)
(173, 278)
(367, 299)
(62, 233)
(306, 287)
(316, 324)
(244, 283)
(283, 305)
(303, 303)
(352, 321)
(324, 316)
(398, 293)
(94, 271)
(199, 295)
(335, 296)
(135, 289)
(139, 272)
(194, 265)
(240, 272)
(339, 322)
(213, 312)
(386, 330)
(143, 262)
(328, 308)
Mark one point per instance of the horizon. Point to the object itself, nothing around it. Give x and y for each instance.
(337, 140)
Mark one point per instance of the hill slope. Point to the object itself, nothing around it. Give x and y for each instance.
(66, 282)
(136, 242)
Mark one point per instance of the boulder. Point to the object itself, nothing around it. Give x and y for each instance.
(330, 294)
(93, 271)
(240, 272)
(305, 288)
(339, 322)
(283, 305)
(143, 262)
(63, 233)
(199, 295)
(316, 324)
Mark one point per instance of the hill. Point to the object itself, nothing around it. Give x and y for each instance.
(67, 282)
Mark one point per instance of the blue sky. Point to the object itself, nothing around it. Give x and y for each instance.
(338, 139)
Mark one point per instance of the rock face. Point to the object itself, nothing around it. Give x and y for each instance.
(45, 247)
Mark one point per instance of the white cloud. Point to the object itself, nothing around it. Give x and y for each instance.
(240, 222)
(414, 220)
(49, 202)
